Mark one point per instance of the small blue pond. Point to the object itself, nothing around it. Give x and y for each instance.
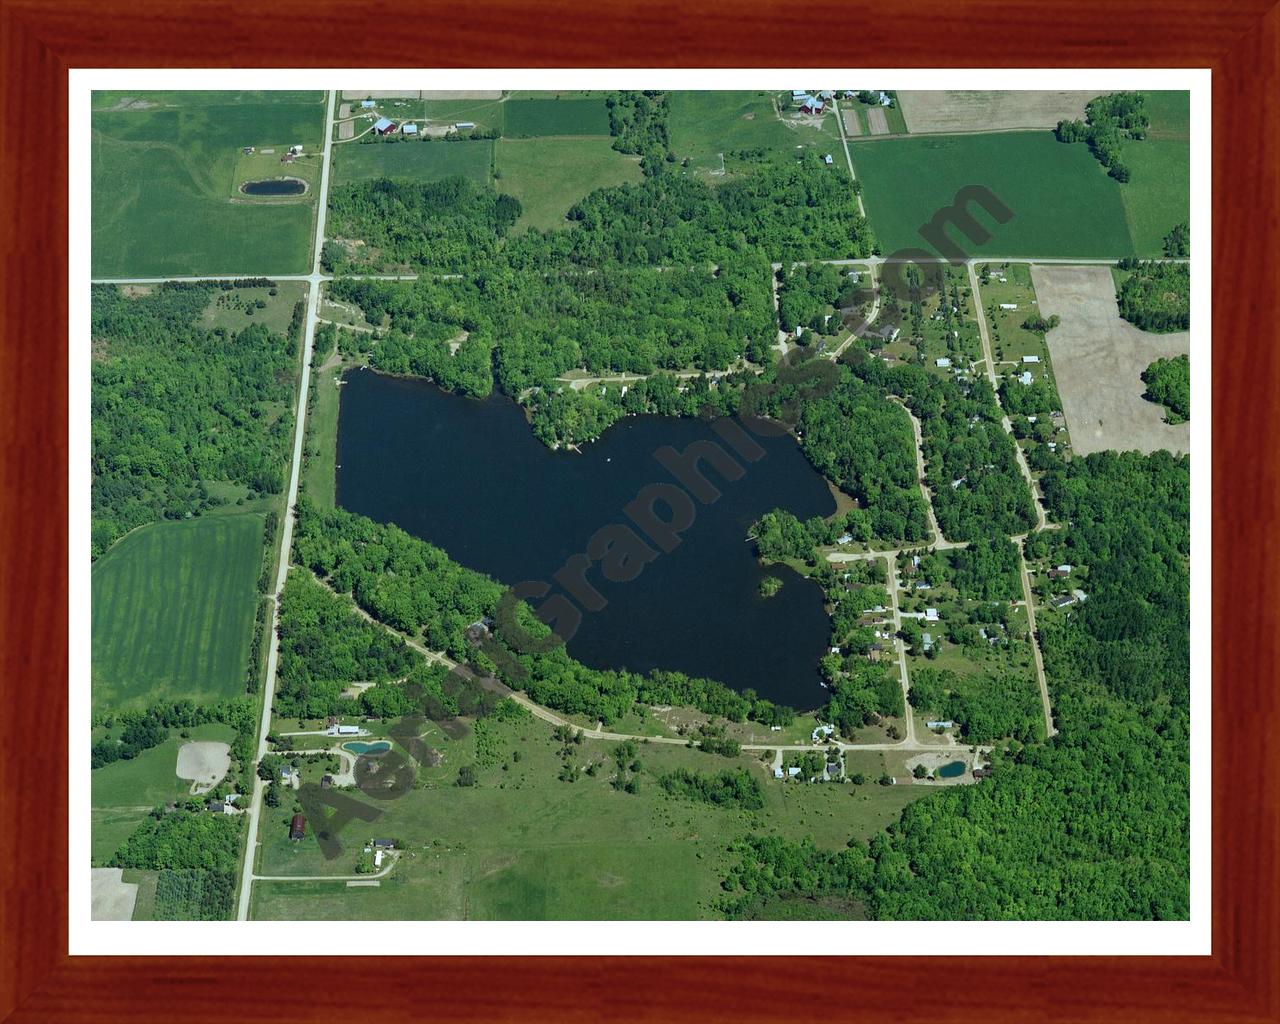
(952, 770)
(367, 748)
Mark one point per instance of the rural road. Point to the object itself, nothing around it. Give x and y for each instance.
(286, 532)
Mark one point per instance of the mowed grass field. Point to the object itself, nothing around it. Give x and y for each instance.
(549, 175)
(416, 161)
(173, 610)
(1158, 195)
(522, 844)
(124, 792)
(563, 116)
(164, 180)
(1063, 202)
(706, 124)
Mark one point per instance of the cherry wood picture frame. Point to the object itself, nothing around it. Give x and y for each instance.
(41, 39)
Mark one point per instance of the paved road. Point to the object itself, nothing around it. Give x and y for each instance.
(286, 533)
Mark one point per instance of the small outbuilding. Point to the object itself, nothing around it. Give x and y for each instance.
(297, 827)
(384, 126)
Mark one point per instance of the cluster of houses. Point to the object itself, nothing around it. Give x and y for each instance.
(816, 102)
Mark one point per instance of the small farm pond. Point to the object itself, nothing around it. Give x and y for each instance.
(274, 187)
(367, 748)
(951, 770)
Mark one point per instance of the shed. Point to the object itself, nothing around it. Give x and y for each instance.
(931, 615)
(384, 126)
(1031, 359)
(1008, 305)
(367, 104)
(297, 827)
(409, 128)
(828, 160)
(942, 363)
(799, 94)
(464, 125)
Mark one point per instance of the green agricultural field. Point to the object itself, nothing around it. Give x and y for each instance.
(164, 178)
(1063, 203)
(524, 844)
(1158, 196)
(569, 116)
(549, 175)
(705, 125)
(124, 792)
(173, 609)
(418, 161)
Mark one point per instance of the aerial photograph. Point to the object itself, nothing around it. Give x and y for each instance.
(640, 505)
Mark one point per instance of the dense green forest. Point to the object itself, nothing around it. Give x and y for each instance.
(178, 406)
(182, 839)
(325, 645)
(638, 122)
(864, 443)
(1156, 296)
(444, 226)
(187, 894)
(1168, 383)
(970, 462)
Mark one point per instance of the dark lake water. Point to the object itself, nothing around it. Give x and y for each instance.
(274, 187)
(470, 477)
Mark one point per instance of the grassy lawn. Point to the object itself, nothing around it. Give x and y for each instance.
(1010, 341)
(164, 178)
(123, 793)
(1158, 196)
(227, 308)
(419, 161)
(549, 175)
(523, 844)
(1063, 203)
(485, 113)
(705, 125)
(558, 116)
(173, 608)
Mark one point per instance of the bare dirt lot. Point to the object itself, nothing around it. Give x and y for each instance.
(948, 110)
(877, 121)
(852, 126)
(1098, 360)
(113, 899)
(205, 762)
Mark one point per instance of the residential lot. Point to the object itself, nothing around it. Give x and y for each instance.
(710, 128)
(953, 110)
(1098, 361)
(522, 843)
(165, 184)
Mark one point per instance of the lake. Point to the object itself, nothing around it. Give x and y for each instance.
(274, 187)
(470, 477)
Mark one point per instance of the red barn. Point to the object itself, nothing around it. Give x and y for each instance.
(297, 827)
